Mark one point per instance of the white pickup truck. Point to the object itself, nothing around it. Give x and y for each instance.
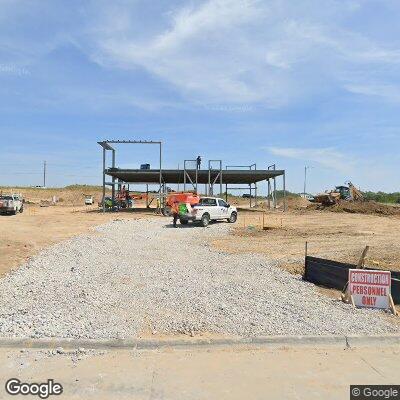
(209, 209)
(11, 204)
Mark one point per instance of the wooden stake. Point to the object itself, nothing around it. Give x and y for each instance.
(346, 294)
(391, 304)
(362, 258)
(352, 301)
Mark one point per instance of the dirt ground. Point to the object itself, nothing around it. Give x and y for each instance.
(24, 235)
(336, 236)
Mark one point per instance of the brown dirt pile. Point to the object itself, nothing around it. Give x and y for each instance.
(363, 207)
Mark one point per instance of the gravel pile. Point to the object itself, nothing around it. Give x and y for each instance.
(142, 277)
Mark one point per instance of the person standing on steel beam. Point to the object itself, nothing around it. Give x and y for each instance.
(198, 162)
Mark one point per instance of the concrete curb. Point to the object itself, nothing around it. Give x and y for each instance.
(373, 341)
(351, 341)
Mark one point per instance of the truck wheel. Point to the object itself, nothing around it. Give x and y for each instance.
(21, 210)
(205, 220)
(183, 221)
(13, 212)
(232, 219)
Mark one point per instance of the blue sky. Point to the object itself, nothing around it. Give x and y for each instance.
(310, 82)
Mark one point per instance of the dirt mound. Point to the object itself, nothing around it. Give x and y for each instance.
(364, 207)
(296, 203)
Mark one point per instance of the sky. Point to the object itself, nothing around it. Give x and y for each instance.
(311, 83)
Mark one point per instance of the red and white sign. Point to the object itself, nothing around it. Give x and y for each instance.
(370, 288)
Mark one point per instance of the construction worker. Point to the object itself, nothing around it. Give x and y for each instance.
(198, 162)
(175, 212)
(127, 198)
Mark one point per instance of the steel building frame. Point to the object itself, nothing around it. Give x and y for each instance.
(212, 182)
(250, 188)
(186, 175)
(105, 144)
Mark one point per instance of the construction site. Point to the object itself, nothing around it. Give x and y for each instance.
(199, 200)
(247, 261)
(215, 256)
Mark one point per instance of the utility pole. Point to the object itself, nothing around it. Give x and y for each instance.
(305, 180)
(44, 174)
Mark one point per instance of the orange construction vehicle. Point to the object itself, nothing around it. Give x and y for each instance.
(125, 199)
(180, 197)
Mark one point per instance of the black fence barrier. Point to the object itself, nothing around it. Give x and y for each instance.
(333, 274)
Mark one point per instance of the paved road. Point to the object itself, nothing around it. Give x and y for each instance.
(206, 373)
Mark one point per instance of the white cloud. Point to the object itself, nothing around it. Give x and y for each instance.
(273, 52)
(389, 93)
(328, 157)
(237, 51)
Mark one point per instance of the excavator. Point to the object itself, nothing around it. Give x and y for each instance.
(346, 193)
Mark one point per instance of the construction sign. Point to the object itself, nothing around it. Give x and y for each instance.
(370, 288)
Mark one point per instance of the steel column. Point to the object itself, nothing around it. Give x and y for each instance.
(197, 175)
(211, 183)
(250, 195)
(284, 191)
(113, 179)
(104, 179)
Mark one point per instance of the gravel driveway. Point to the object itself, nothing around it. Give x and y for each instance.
(138, 277)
